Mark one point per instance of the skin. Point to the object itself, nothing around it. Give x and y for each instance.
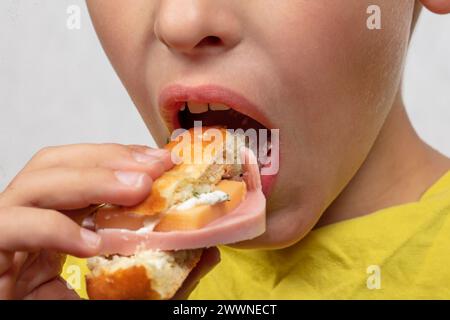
(40, 210)
(341, 148)
(351, 148)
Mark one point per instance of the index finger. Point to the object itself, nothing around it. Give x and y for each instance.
(107, 155)
(31, 229)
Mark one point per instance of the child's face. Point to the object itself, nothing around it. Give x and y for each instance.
(313, 69)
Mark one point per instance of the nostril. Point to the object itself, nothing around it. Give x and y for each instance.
(210, 41)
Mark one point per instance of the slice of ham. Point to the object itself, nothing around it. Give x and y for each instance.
(247, 221)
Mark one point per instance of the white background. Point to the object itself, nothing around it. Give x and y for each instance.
(57, 87)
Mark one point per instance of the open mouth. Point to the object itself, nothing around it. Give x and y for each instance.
(211, 106)
(193, 113)
(212, 114)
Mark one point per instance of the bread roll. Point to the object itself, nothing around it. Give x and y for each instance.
(155, 274)
(147, 275)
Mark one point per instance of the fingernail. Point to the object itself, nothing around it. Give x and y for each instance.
(144, 157)
(157, 152)
(133, 179)
(91, 239)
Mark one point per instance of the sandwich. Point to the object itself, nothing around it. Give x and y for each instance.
(212, 196)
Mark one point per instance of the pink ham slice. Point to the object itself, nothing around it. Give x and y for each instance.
(246, 222)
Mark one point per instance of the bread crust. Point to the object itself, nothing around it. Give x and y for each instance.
(125, 284)
(135, 282)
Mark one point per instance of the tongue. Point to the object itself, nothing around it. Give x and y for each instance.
(247, 221)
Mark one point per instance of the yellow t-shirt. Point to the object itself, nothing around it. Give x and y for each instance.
(400, 252)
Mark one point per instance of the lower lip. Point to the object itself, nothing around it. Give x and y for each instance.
(267, 182)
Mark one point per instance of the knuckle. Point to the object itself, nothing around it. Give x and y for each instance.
(44, 155)
(11, 190)
(44, 152)
(3, 194)
(17, 183)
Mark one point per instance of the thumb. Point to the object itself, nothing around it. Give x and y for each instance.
(209, 259)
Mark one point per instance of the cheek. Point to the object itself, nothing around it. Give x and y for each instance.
(126, 34)
(122, 30)
(339, 80)
(326, 44)
(121, 27)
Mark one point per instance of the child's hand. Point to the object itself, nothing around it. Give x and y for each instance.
(34, 231)
(210, 258)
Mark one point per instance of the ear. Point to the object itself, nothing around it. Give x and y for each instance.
(437, 6)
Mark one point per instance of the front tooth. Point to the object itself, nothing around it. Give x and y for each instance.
(183, 107)
(218, 107)
(195, 107)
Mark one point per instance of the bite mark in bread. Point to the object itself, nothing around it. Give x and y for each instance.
(156, 274)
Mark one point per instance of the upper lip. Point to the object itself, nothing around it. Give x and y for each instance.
(173, 97)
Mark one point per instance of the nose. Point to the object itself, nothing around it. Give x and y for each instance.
(197, 26)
